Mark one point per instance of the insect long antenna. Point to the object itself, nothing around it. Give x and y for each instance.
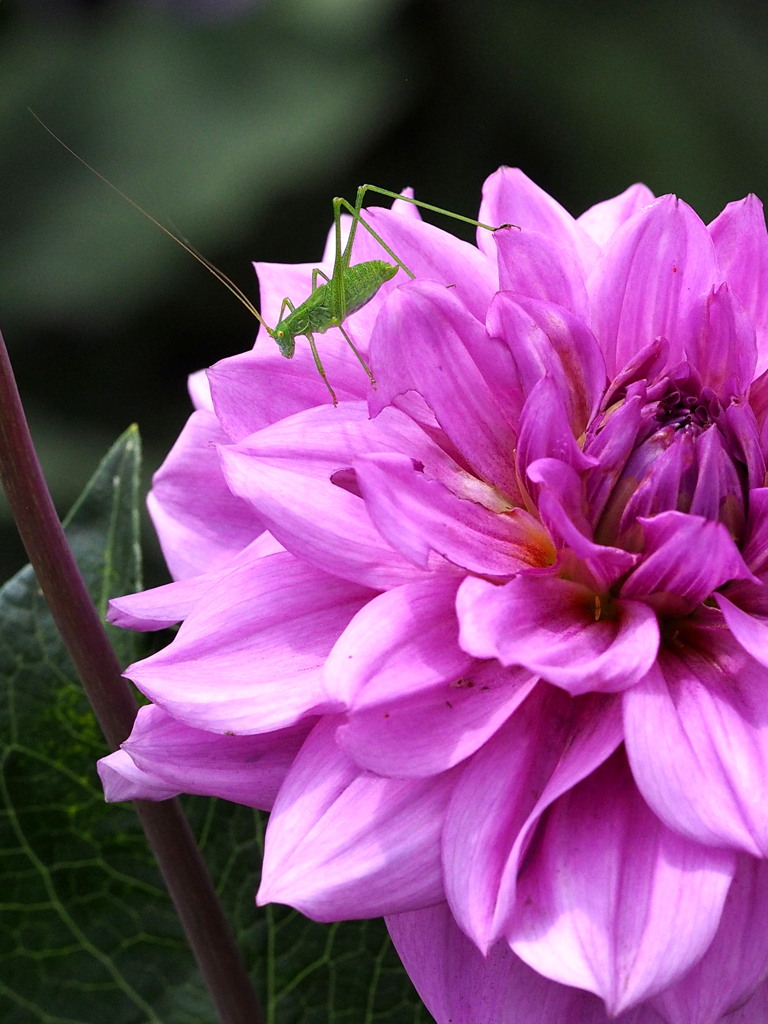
(210, 267)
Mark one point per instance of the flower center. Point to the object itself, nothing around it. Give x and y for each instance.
(682, 407)
(668, 444)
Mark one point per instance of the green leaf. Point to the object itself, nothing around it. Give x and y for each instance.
(88, 933)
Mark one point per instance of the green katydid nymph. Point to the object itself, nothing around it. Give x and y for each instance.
(332, 300)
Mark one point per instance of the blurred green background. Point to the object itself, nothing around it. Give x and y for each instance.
(235, 122)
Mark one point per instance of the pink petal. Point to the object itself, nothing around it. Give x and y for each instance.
(612, 901)
(244, 769)
(741, 246)
(325, 442)
(721, 343)
(559, 491)
(758, 397)
(548, 745)
(249, 658)
(199, 392)
(255, 389)
(432, 254)
(742, 432)
(747, 619)
(203, 534)
(651, 271)
(427, 524)
(667, 566)
(755, 546)
(697, 738)
(322, 441)
(434, 728)
(315, 519)
(555, 628)
(163, 606)
(419, 704)
(603, 220)
(461, 986)
(344, 844)
(547, 340)
(402, 639)
(451, 368)
(719, 493)
(536, 266)
(545, 431)
(753, 1012)
(663, 474)
(510, 197)
(737, 959)
(612, 446)
(123, 780)
(406, 209)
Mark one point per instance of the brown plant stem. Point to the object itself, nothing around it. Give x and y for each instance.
(165, 826)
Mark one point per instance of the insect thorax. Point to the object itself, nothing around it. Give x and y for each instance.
(320, 312)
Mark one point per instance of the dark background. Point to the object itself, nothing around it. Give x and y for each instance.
(235, 122)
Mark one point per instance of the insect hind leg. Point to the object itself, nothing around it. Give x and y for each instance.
(360, 358)
(357, 218)
(319, 366)
(426, 206)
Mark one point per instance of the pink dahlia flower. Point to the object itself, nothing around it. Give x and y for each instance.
(491, 639)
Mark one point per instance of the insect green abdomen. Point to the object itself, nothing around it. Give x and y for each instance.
(363, 280)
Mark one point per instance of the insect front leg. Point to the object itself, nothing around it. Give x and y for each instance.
(282, 333)
(316, 273)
